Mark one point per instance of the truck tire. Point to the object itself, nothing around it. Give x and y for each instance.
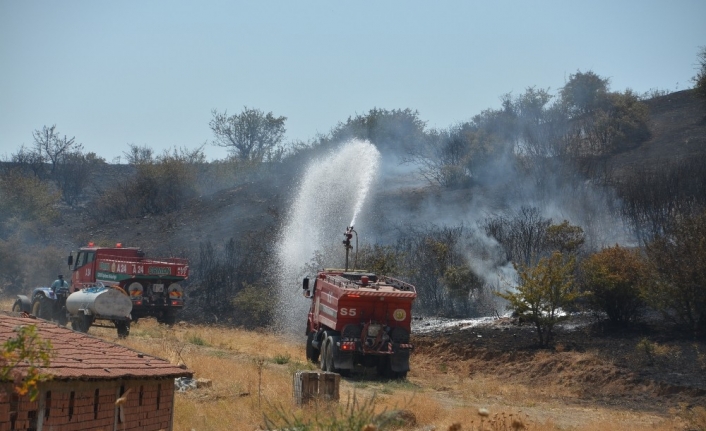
(384, 369)
(17, 306)
(328, 353)
(383, 366)
(312, 353)
(167, 319)
(323, 364)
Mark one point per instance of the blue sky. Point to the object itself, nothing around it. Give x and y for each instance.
(151, 72)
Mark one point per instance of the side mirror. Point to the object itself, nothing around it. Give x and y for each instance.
(305, 288)
(71, 259)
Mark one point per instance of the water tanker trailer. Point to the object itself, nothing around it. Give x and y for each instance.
(104, 303)
(359, 318)
(83, 308)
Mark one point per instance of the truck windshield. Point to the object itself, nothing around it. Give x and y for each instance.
(80, 259)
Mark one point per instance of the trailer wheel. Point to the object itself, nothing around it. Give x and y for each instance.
(81, 323)
(312, 354)
(123, 328)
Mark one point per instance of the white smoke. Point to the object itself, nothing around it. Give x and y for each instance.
(333, 188)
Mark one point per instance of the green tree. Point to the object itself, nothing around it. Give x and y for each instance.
(543, 291)
(251, 135)
(678, 259)
(565, 237)
(21, 359)
(614, 278)
(400, 130)
(601, 122)
(378, 259)
(584, 93)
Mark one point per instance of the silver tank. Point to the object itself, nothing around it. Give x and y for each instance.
(101, 302)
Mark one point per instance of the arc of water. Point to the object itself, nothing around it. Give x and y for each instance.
(330, 187)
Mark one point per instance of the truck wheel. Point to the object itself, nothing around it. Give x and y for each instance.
(312, 354)
(17, 306)
(167, 319)
(324, 354)
(329, 356)
(383, 366)
(384, 369)
(123, 328)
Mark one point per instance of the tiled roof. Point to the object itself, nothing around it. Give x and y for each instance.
(81, 356)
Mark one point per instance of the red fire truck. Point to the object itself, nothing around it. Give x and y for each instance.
(153, 284)
(359, 318)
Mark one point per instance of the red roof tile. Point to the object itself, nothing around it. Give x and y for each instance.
(82, 356)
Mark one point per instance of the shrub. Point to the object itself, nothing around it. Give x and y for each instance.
(26, 198)
(544, 290)
(678, 260)
(252, 307)
(28, 349)
(614, 277)
(159, 185)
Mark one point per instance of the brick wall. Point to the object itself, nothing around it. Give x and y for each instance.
(16, 413)
(74, 406)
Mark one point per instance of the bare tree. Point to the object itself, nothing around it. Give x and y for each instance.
(50, 145)
(251, 135)
(28, 162)
(523, 236)
(138, 155)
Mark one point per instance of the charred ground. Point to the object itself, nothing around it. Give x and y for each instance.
(648, 366)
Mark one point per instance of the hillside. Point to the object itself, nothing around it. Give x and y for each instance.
(678, 131)
(649, 373)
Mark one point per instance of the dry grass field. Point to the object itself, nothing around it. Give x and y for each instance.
(252, 379)
(252, 374)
